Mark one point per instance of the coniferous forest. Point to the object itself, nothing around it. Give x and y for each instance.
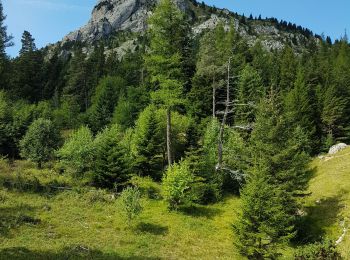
(185, 142)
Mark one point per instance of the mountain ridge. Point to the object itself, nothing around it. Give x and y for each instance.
(111, 16)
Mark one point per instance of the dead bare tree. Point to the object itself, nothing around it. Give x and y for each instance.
(230, 106)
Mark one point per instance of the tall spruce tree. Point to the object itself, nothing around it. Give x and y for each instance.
(27, 79)
(77, 87)
(250, 91)
(278, 175)
(264, 223)
(104, 102)
(5, 41)
(110, 168)
(148, 143)
(300, 109)
(167, 30)
(28, 43)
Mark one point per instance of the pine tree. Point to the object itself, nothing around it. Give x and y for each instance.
(28, 71)
(250, 91)
(300, 110)
(276, 176)
(28, 44)
(148, 143)
(110, 167)
(264, 224)
(104, 102)
(76, 80)
(277, 145)
(288, 67)
(5, 41)
(167, 29)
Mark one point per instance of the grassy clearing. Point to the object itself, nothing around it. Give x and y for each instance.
(328, 205)
(88, 224)
(82, 224)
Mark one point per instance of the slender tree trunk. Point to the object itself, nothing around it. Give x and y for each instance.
(168, 136)
(224, 119)
(214, 99)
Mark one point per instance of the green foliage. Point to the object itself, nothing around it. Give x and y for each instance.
(66, 116)
(77, 153)
(167, 31)
(250, 91)
(5, 120)
(276, 144)
(28, 44)
(300, 110)
(325, 250)
(28, 70)
(214, 50)
(131, 203)
(104, 102)
(110, 168)
(147, 186)
(264, 224)
(129, 106)
(177, 183)
(5, 41)
(277, 174)
(148, 144)
(40, 141)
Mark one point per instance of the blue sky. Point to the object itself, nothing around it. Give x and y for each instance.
(50, 20)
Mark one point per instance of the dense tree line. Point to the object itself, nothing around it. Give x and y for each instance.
(157, 112)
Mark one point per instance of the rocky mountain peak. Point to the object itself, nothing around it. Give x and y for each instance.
(117, 15)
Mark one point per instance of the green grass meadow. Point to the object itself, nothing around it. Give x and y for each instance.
(79, 223)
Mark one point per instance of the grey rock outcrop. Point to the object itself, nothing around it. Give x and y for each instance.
(109, 16)
(337, 148)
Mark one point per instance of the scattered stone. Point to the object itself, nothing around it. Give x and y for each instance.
(336, 148)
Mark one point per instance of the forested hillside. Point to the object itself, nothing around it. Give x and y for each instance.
(213, 123)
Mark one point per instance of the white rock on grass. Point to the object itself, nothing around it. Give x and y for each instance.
(336, 148)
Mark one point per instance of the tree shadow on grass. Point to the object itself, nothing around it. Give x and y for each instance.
(312, 227)
(200, 211)
(73, 252)
(14, 217)
(152, 228)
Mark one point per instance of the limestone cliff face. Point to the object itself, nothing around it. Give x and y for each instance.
(109, 16)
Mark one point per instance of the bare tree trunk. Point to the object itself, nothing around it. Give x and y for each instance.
(224, 119)
(168, 136)
(214, 99)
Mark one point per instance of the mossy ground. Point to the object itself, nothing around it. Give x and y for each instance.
(78, 224)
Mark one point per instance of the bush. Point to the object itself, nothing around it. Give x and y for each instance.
(131, 204)
(77, 152)
(321, 251)
(147, 187)
(97, 195)
(40, 141)
(176, 184)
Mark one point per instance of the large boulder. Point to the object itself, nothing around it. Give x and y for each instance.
(336, 148)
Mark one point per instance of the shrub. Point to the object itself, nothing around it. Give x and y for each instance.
(131, 203)
(147, 187)
(40, 141)
(97, 195)
(77, 152)
(325, 250)
(110, 161)
(176, 184)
